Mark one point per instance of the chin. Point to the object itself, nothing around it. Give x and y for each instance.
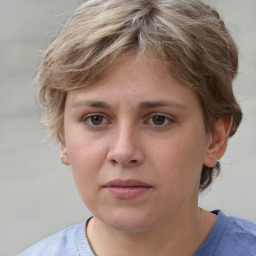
(128, 221)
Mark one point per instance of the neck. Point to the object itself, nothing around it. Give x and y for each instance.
(182, 235)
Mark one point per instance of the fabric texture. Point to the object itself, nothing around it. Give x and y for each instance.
(229, 236)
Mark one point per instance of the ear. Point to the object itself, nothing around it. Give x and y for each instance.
(64, 153)
(218, 141)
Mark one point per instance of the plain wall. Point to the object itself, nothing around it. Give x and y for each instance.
(37, 193)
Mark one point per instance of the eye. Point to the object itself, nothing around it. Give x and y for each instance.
(159, 120)
(95, 120)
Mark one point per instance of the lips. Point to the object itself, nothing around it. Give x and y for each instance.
(127, 189)
(126, 183)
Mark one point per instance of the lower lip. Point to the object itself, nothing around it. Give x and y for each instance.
(127, 192)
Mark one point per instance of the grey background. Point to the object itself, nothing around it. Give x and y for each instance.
(37, 194)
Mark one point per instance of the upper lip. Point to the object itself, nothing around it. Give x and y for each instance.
(126, 183)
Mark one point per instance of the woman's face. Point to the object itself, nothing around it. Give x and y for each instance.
(136, 142)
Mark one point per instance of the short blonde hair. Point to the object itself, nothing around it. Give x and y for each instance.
(188, 35)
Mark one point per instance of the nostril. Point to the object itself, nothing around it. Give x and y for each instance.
(114, 161)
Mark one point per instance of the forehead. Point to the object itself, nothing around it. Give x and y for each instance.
(135, 80)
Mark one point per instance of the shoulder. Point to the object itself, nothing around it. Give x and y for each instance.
(239, 236)
(229, 236)
(242, 229)
(62, 243)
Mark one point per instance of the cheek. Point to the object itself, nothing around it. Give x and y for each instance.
(84, 151)
(86, 159)
(83, 157)
(179, 161)
(178, 176)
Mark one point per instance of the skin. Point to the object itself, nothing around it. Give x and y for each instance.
(138, 122)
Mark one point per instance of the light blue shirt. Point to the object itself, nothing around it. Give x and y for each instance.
(230, 236)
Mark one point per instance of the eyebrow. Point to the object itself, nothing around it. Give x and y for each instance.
(164, 103)
(142, 105)
(91, 103)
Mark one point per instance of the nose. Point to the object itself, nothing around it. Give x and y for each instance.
(126, 147)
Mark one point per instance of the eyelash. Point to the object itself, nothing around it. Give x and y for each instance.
(87, 120)
(167, 120)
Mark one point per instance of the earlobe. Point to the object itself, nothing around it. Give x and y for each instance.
(64, 154)
(218, 141)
